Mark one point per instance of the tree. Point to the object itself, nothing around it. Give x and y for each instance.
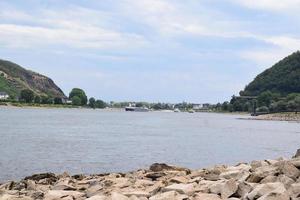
(27, 95)
(100, 104)
(92, 102)
(77, 92)
(265, 99)
(45, 99)
(58, 100)
(297, 102)
(76, 101)
(37, 99)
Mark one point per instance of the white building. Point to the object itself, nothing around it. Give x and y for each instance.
(3, 96)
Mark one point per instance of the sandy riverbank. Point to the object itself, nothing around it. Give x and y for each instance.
(259, 180)
(280, 117)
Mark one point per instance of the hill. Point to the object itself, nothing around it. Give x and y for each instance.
(282, 78)
(14, 78)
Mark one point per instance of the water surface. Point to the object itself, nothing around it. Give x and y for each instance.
(96, 141)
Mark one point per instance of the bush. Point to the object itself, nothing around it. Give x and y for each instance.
(76, 101)
(263, 109)
(27, 96)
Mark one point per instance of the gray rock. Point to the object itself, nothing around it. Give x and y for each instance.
(187, 189)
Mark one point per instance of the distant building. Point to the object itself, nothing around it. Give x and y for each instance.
(197, 106)
(3, 96)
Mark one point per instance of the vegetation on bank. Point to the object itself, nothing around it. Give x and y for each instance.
(277, 89)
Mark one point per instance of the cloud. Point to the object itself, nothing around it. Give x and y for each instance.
(272, 5)
(75, 28)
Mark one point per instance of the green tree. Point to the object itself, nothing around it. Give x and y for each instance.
(297, 102)
(37, 99)
(77, 92)
(58, 100)
(92, 102)
(27, 95)
(76, 101)
(45, 99)
(100, 104)
(265, 99)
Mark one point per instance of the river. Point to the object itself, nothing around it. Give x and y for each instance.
(96, 141)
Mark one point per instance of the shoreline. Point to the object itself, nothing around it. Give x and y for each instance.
(261, 180)
(288, 117)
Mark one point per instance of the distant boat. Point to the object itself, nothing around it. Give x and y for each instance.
(176, 110)
(191, 111)
(136, 109)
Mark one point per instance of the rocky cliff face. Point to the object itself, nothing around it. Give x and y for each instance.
(14, 78)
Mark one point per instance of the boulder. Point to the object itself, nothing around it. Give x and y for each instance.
(14, 197)
(93, 190)
(244, 188)
(179, 179)
(229, 188)
(263, 189)
(204, 196)
(262, 172)
(58, 194)
(275, 196)
(118, 196)
(155, 175)
(98, 197)
(288, 169)
(37, 177)
(187, 189)
(297, 155)
(158, 167)
(171, 195)
(137, 193)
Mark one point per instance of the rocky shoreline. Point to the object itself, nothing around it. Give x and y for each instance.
(292, 117)
(259, 180)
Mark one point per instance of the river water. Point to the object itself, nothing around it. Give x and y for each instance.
(97, 141)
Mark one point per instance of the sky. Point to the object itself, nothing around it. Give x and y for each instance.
(150, 50)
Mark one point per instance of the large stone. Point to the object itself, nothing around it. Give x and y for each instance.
(289, 169)
(262, 172)
(263, 189)
(204, 196)
(229, 188)
(297, 155)
(187, 189)
(98, 197)
(93, 190)
(137, 193)
(155, 175)
(179, 179)
(171, 195)
(244, 188)
(37, 177)
(294, 190)
(275, 196)
(158, 167)
(118, 196)
(13, 197)
(58, 194)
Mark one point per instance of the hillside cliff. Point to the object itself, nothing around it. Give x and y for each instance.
(283, 78)
(14, 78)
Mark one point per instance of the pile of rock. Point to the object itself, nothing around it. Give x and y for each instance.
(260, 180)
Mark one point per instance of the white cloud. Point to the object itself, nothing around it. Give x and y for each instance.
(73, 28)
(273, 5)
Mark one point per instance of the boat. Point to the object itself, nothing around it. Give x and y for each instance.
(191, 111)
(176, 110)
(136, 109)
